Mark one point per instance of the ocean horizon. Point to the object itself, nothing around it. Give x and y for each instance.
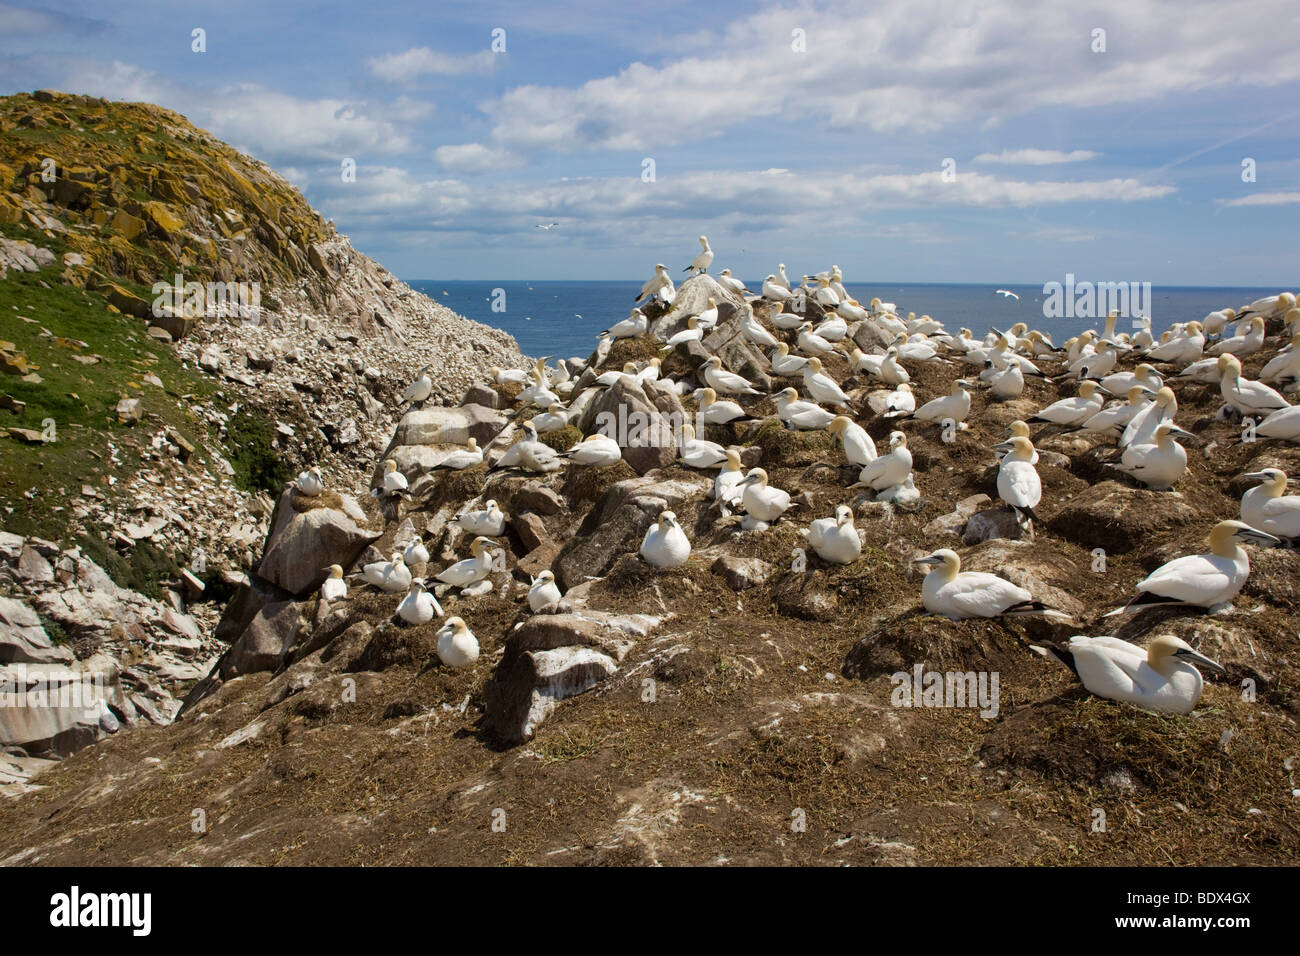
(563, 318)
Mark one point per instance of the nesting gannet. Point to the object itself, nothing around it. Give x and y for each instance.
(634, 325)
(753, 331)
(1244, 395)
(889, 369)
(544, 592)
(612, 377)
(1180, 349)
(1252, 340)
(774, 290)
(416, 553)
(1018, 483)
(460, 460)
(1208, 580)
(529, 453)
(898, 403)
(821, 386)
(852, 310)
(310, 483)
(785, 364)
(1283, 423)
(1112, 419)
(394, 481)
(596, 450)
(725, 382)
(954, 406)
(665, 544)
(889, 469)
(457, 645)
(419, 606)
(1162, 677)
(958, 594)
(692, 333)
(824, 295)
(708, 319)
(728, 485)
(508, 376)
(661, 286)
(786, 321)
(730, 282)
(832, 328)
(800, 414)
(391, 576)
(1283, 366)
(1006, 380)
(334, 587)
(835, 539)
(489, 521)
(1141, 429)
(698, 453)
(702, 261)
(763, 504)
(859, 449)
(471, 569)
(811, 343)
(1269, 508)
(651, 372)
(1269, 305)
(1076, 410)
(1159, 464)
(715, 412)
(1119, 383)
(419, 390)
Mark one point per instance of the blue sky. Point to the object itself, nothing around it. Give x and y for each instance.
(1117, 165)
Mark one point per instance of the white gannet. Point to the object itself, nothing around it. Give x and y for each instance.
(1284, 365)
(798, 413)
(715, 412)
(889, 469)
(1076, 410)
(1161, 677)
(810, 343)
(472, 569)
(698, 453)
(781, 278)
(1018, 483)
(774, 290)
(1141, 429)
(634, 325)
(1208, 580)
(334, 587)
(763, 504)
(1244, 395)
(661, 286)
(821, 386)
(528, 453)
(859, 449)
(1283, 424)
(753, 331)
(958, 594)
(596, 450)
(1269, 305)
(1119, 383)
(416, 553)
(457, 645)
(786, 321)
(832, 328)
(1181, 349)
(702, 261)
(665, 544)
(419, 606)
(954, 406)
(1242, 344)
(488, 521)
(544, 592)
(730, 282)
(785, 364)
(508, 376)
(889, 370)
(391, 576)
(898, 403)
(1005, 379)
(1268, 507)
(724, 382)
(708, 319)
(419, 390)
(824, 295)
(1159, 464)
(727, 486)
(651, 372)
(852, 310)
(692, 333)
(466, 458)
(835, 539)
(1113, 419)
(394, 481)
(310, 483)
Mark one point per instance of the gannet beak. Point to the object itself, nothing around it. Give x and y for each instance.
(1190, 655)
(1003, 446)
(1257, 476)
(1261, 538)
(1181, 432)
(929, 559)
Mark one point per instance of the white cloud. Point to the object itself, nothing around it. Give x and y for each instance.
(1263, 199)
(474, 158)
(411, 64)
(1036, 157)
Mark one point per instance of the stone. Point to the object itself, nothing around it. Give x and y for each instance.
(64, 707)
(482, 395)
(955, 520)
(997, 522)
(302, 545)
(1119, 518)
(23, 638)
(539, 498)
(640, 417)
(448, 426)
(530, 528)
(265, 643)
(32, 567)
(741, 573)
(806, 596)
(129, 411)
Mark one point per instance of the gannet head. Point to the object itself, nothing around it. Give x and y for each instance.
(336, 571)
(456, 624)
(782, 348)
(667, 520)
(1228, 366)
(843, 515)
(945, 559)
(661, 268)
(733, 460)
(1136, 392)
(1166, 646)
(544, 577)
(711, 302)
(837, 424)
(959, 385)
(1274, 479)
(1286, 300)
(472, 443)
(708, 396)
(1165, 397)
(1018, 448)
(704, 241)
(417, 586)
(530, 431)
(756, 476)
(1019, 429)
(629, 368)
(1087, 388)
(1226, 534)
(399, 560)
(815, 364)
(688, 431)
(897, 440)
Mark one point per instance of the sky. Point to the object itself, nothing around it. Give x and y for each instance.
(903, 140)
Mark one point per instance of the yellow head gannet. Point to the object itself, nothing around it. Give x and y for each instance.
(1112, 420)
(692, 333)
(391, 576)
(799, 414)
(1268, 507)
(1018, 483)
(835, 539)
(859, 449)
(753, 330)
(467, 457)
(665, 544)
(702, 261)
(955, 405)
(1162, 677)
(419, 606)
(310, 483)
(728, 485)
(762, 503)
(810, 343)
(1247, 397)
(730, 282)
(1076, 410)
(958, 594)
(489, 521)
(821, 386)
(889, 469)
(1159, 464)
(785, 364)
(698, 453)
(634, 325)
(715, 412)
(419, 390)
(596, 450)
(774, 290)
(471, 570)
(1141, 429)
(334, 588)
(1285, 365)
(416, 553)
(1244, 343)
(725, 382)
(394, 481)
(544, 592)
(457, 645)
(660, 285)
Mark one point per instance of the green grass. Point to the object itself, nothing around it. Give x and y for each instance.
(253, 454)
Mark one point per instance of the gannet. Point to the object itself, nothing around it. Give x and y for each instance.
(821, 386)
(1119, 383)
(552, 420)
(1208, 580)
(457, 645)
(958, 594)
(1215, 322)
(651, 372)
(835, 539)
(419, 606)
(1096, 366)
(1141, 429)
(698, 453)
(811, 343)
(701, 262)
(707, 319)
(882, 308)
(419, 390)
(800, 414)
(890, 371)
(730, 283)
(634, 325)
(310, 483)
(915, 350)
(416, 553)
(471, 569)
(1283, 423)
(665, 544)
(896, 404)
(832, 328)
(1076, 410)
(774, 290)
(488, 521)
(824, 295)
(1181, 349)
(334, 587)
(781, 277)
(1245, 396)
(852, 310)
(544, 592)
(1284, 365)
(954, 406)
(460, 460)
(859, 449)
(529, 453)
(1269, 305)
(394, 481)
(1159, 464)
(785, 364)
(786, 321)
(1112, 420)
(1268, 507)
(763, 504)
(715, 412)
(596, 450)
(508, 376)
(391, 576)
(1006, 380)
(610, 378)
(692, 333)
(1040, 345)
(1160, 678)
(1239, 345)
(725, 382)
(1018, 483)
(888, 469)
(753, 330)
(727, 486)
(661, 286)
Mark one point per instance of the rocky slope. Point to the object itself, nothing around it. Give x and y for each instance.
(737, 709)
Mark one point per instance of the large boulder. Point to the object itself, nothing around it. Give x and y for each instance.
(1119, 518)
(303, 544)
(266, 642)
(644, 418)
(448, 426)
(53, 710)
(23, 638)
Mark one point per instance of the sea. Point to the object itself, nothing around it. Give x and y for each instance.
(564, 319)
